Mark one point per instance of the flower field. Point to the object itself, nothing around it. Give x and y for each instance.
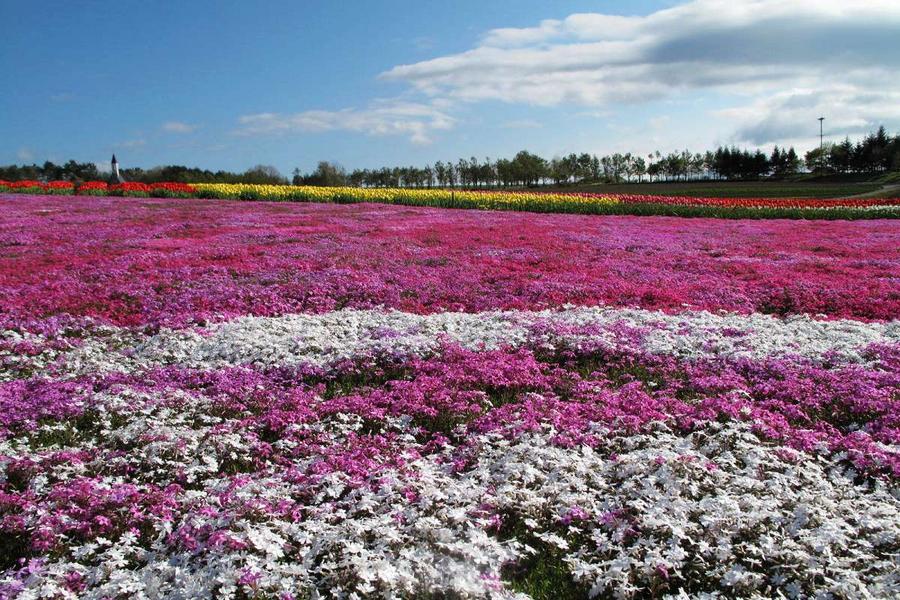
(223, 399)
(511, 200)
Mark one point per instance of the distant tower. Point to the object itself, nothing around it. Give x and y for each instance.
(115, 177)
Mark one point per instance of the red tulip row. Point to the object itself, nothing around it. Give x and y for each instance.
(38, 187)
(100, 188)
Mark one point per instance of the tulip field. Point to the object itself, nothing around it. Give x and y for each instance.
(495, 199)
(356, 396)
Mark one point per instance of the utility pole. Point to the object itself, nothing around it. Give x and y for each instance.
(821, 134)
(821, 144)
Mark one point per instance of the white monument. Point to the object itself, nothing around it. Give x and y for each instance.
(115, 177)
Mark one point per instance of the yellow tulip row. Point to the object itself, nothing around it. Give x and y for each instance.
(491, 200)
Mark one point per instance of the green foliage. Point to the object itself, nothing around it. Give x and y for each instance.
(125, 194)
(71, 171)
(326, 174)
(262, 175)
(546, 577)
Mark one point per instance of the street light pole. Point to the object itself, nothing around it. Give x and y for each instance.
(821, 134)
(821, 143)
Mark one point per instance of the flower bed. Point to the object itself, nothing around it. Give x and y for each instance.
(578, 203)
(172, 190)
(129, 189)
(233, 400)
(93, 188)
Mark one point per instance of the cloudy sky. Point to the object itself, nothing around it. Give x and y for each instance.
(233, 84)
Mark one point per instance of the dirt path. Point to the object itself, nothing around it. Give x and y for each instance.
(884, 191)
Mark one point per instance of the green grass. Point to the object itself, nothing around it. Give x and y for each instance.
(546, 577)
(889, 193)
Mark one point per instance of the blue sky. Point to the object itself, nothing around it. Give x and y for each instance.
(233, 84)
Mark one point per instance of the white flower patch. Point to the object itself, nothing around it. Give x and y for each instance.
(716, 513)
(14, 364)
(321, 340)
(716, 510)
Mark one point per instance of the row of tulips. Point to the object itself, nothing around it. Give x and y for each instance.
(554, 202)
(443, 198)
(549, 202)
(758, 202)
(101, 188)
(38, 187)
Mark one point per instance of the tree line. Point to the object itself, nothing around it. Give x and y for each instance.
(877, 152)
(527, 169)
(80, 172)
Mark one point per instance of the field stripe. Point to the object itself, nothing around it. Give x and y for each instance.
(321, 340)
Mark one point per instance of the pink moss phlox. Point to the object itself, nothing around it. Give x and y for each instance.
(165, 262)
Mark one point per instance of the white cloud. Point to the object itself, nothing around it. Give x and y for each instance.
(423, 42)
(178, 127)
(25, 154)
(522, 124)
(383, 117)
(773, 55)
(522, 36)
(660, 122)
(131, 144)
(790, 115)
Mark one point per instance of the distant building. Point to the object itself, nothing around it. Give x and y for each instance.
(116, 177)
